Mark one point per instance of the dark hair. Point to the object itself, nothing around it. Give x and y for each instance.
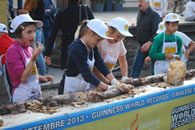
(113, 30)
(21, 27)
(83, 28)
(170, 22)
(167, 22)
(72, 2)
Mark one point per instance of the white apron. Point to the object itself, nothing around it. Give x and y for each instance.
(30, 90)
(162, 66)
(158, 7)
(109, 60)
(76, 84)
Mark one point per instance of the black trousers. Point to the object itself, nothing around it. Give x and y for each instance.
(61, 87)
(63, 59)
(67, 40)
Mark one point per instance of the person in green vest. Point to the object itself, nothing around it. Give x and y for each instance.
(166, 46)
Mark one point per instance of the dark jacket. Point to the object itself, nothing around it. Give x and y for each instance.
(147, 25)
(38, 13)
(67, 21)
(77, 62)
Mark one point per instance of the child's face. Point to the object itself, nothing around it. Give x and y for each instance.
(28, 35)
(116, 35)
(93, 39)
(171, 27)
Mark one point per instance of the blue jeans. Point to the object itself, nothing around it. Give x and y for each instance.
(138, 62)
(40, 60)
(20, 4)
(46, 34)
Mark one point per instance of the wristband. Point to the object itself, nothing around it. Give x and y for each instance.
(106, 87)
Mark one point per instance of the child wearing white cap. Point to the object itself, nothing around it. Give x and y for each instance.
(166, 45)
(83, 55)
(189, 11)
(186, 43)
(112, 50)
(159, 6)
(5, 43)
(21, 60)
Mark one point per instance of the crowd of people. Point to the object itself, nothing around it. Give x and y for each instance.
(87, 60)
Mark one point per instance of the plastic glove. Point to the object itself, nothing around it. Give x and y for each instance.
(124, 78)
(109, 87)
(114, 82)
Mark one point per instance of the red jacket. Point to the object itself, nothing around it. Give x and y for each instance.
(5, 43)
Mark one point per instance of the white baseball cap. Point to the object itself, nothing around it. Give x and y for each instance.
(18, 20)
(99, 28)
(121, 25)
(161, 27)
(171, 17)
(3, 28)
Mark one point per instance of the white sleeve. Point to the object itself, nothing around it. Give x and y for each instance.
(165, 6)
(123, 50)
(185, 39)
(151, 3)
(193, 7)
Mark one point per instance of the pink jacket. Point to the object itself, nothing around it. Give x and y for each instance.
(15, 61)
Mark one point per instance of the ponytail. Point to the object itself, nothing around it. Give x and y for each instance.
(83, 28)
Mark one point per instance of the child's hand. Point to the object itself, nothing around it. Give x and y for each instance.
(148, 59)
(177, 57)
(37, 50)
(46, 78)
(169, 56)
